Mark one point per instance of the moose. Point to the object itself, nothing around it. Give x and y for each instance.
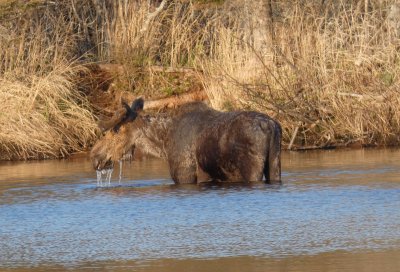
(199, 143)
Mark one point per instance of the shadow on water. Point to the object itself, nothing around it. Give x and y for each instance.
(334, 211)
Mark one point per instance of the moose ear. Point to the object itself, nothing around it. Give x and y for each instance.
(123, 115)
(117, 118)
(130, 114)
(126, 107)
(137, 105)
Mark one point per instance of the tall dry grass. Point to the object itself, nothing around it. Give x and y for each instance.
(332, 76)
(42, 113)
(331, 72)
(43, 45)
(179, 36)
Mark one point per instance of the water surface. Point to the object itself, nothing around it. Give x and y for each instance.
(335, 211)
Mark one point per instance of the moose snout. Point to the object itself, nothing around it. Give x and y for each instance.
(96, 164)
(101, 163)
(97, 160)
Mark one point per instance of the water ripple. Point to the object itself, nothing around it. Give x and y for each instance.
(61, 220)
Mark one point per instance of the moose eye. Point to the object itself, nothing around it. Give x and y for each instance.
(116, 128)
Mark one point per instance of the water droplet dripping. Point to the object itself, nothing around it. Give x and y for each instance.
(99, 178)
(120, 171)
(107, 177)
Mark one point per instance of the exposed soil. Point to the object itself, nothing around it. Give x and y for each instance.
(106, 85)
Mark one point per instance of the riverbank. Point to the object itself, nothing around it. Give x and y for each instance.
(327, 72)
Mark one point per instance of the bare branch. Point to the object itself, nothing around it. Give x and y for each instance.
(152, 15)
(293, 137)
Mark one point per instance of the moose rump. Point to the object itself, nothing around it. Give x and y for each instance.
(227, 146)
(199, 143)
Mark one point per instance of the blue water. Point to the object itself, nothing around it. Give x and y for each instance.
(53, 213)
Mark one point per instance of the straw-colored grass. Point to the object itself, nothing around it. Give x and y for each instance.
(42, 113)
(331, 72)
(176, 37)
(333, 75)
(43, 117)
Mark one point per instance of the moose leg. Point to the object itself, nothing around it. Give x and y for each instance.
(252, 169)
(201, 176)
(185, 178)
(183, 172)
(253, 175)
(272, 168)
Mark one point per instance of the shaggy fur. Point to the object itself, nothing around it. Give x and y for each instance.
(199, 143)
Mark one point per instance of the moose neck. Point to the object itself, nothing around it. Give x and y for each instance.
(154, 135)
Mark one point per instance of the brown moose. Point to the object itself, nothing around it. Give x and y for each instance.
(199, 143)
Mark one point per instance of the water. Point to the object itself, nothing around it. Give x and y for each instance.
(335, 211)
(107, 173)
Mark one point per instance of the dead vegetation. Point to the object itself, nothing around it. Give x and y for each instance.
(329, 72)
(42, 113)
(330, 76)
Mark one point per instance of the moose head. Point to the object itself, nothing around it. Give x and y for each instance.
(121, 132)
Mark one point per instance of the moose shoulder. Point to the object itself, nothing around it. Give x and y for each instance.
(199, 143)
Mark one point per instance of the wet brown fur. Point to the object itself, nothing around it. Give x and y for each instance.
(199, 143)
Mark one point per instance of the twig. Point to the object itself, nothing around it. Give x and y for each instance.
(152, 15)
(293, 137)
(120, 69)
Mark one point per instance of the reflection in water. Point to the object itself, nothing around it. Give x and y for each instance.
(335, 211)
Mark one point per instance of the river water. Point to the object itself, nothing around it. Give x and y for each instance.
(335, 211)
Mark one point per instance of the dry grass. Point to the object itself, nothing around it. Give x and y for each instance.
(42, 113)
(176, 37)
(332, 73)
(44, 43)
